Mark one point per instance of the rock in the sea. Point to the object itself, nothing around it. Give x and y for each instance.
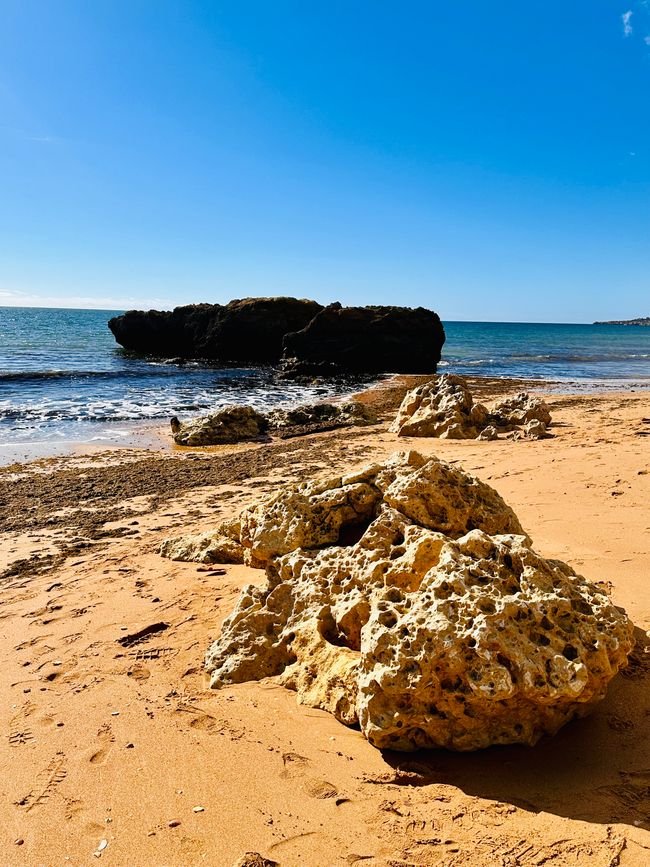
(249, 330)
(406, 597)
(521, 409)
(311, 339)
(444, 408)
(231, 424)
(365, 340)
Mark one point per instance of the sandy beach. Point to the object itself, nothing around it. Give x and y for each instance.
(115, 749)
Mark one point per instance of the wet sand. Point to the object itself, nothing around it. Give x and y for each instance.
(110, 737)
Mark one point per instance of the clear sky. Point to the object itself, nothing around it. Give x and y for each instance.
(488, 160)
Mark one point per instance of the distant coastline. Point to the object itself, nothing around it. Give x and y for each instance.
(642, 320)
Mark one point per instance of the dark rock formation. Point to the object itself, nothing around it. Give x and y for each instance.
(309, 339)
(248, 331)
(366, 340)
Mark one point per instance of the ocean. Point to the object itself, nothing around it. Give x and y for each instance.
(64, 380)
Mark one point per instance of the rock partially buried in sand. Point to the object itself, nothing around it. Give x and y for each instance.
(229, 425)
(254, 859)
(522, 409)
(210, 547)
(535, 430)
(406, 597)
(445, 408)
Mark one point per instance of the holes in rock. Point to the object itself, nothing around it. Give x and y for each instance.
(504, 661)
(351, 533)
(329, 629)
(387, 619)
(449, 685)
(545, 623)
(507, 559)
(397, 552)
(439, 713)
(570, 652)
(346, 633)
(581, 606)
(393, 595)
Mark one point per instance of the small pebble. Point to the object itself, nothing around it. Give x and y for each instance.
(115, 713)
(174, 823)
(129, 746)
(102, 845)
(57, 662)
(198, 809)
(19, 841)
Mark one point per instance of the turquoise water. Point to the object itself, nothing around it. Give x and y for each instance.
(573, 354)
(64, 379)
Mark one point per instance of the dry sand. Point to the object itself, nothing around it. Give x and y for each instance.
(111, 743)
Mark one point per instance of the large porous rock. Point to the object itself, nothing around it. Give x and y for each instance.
(231, 424)
(337, 511)
(405, 597)
(522, 409)
(366, 340)
(444, 408)
(246, 331)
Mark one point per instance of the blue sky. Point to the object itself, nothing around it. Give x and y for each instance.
(488, 160)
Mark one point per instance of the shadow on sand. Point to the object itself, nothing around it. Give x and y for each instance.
(595, 769)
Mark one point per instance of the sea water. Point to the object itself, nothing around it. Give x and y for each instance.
(64, 380)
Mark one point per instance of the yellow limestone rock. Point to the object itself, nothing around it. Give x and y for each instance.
(420, 611)
(444, 408)
(210, 547)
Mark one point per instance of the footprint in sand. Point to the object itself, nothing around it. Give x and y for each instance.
(296, 767)
(17, 738)
(19, 732)
(45, 783)
(106, 739)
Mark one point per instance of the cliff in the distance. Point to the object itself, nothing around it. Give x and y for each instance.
(301, 336)
(643, 320)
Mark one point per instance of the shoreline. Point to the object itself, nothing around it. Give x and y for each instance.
(106, 742)
(153, 434)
